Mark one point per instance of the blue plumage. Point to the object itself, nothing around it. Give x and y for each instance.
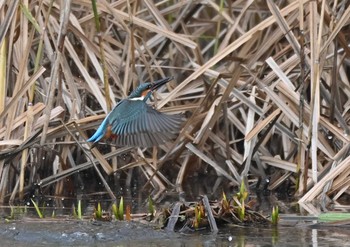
(135, 123)
(100, 132)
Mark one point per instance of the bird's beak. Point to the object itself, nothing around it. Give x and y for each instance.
(161, 82)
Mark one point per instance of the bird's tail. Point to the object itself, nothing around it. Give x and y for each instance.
(100, 132)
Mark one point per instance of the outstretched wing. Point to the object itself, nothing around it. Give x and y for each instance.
(138, 124)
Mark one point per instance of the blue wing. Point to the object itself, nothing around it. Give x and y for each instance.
(142, 125)
(137, 124)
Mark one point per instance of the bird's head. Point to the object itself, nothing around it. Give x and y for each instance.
(143, 92)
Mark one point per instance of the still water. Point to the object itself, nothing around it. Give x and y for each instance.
(125, 234)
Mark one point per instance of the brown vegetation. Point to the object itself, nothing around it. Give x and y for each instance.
(264, 87)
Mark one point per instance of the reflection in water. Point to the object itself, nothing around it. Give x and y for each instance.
(125, 234)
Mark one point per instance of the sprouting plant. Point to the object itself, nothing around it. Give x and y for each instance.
(115, 210)
(241, 211)
(243, 193)
(15, 212)
(197, 217)
(77, 211)
(118, 211)
(37, 209)
(11, 216)
(225, 203)
(151, 209)
(240, 198)
(98, 212)
(275, 215)
(121, 209)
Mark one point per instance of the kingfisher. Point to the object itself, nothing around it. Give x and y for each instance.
(133, 122)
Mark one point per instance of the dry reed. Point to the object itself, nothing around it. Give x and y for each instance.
(263, 85)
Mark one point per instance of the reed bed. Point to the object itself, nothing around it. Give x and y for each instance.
(263, 85)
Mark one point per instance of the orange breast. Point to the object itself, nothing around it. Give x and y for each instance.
(109, 133)
(144, 93)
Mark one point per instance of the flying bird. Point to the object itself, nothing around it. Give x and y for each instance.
(133, 122)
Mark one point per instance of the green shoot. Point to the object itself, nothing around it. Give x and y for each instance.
(98, 212)
(225, 202)
(197, 217)
(241, 211)
(37, 209)
(79, 214)
(243, 193)
(115, 211)
(151, 209)
(11, 216)
(275, 215)
(121, 209)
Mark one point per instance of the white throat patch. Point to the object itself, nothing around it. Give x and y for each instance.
(138, 98)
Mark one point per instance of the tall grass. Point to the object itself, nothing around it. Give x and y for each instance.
(263, 85)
